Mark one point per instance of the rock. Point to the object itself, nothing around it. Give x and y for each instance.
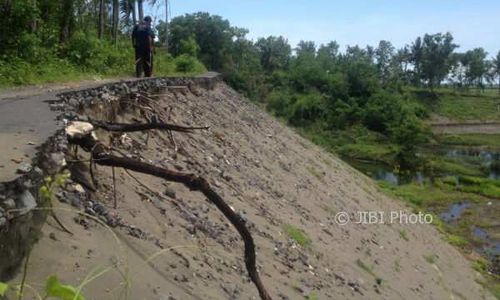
(191, 229)
(180, 278)
(52, 236)
(79, 189)
(100, 209)
(160, 205)
(3, 221)
(125, 88)
(170, 193)
(9, 204)
(73, 102)
(58, 159)
(24, 168)
(73, 199)
(27, 203)
(204, 208)
(38, 171)
(78, 129)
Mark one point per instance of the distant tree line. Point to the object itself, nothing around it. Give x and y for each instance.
(323, 88)
(430, 61)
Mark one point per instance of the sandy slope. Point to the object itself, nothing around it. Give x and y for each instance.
(273, 177)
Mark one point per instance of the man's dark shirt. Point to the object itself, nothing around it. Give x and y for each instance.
(141, 35)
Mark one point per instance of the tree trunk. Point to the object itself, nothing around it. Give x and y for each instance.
(141, 10)
(33, 21)
(166, 25)
(100, 30)
(66, 20)
(116, 20)
(134, 12)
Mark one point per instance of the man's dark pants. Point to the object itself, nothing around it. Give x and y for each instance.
(143, 62)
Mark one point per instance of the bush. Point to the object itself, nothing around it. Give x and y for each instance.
(99, 56)
(307, 108)
(185, 64)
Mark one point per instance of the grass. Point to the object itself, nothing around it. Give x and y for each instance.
(297, 235)
(439, 165)
(373, 152)
(403, 235)
(418, 195)
(369, 270)
(315, 172)
(482, 186)
(461, 105)
(431, 258)
(397, 265)
(312, 296)
(491, 141)
(52, 70)
(355, 143)
(365, 267)
(469, 107)
(458, 241)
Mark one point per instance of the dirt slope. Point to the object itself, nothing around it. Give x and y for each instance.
(273, 177)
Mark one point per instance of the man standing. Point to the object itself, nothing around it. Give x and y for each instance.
(143, 42)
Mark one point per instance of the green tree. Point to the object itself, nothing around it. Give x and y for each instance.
(417, 56)
(495, 70)
(306, 48)
(437, 53)
(212, 33)
(383, 56)
(328, 56)
(476, 66)
(274, 53)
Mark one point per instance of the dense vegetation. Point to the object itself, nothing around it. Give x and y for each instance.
(376, 94)
(46, 40)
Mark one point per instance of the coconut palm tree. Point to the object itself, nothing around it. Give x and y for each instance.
(116, 19)
(128, 11)
(140, 6)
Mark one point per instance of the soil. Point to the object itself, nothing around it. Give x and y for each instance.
(170, 243)
(443, 125)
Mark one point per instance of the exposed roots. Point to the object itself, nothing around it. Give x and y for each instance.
(103, 156)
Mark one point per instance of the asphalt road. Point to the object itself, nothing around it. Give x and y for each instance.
(25, 123)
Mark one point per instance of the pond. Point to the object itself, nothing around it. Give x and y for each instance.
(485, 241)
(455, 211)
(488, 160)
(382, 172)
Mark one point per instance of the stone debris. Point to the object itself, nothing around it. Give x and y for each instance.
(77, 129)
(24, 168)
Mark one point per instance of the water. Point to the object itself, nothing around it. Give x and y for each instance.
(455, 211)
(489, 246)
(467, 154)
(381, 172)
(490, 160)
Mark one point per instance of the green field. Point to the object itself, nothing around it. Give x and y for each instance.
(491, 141)
(483, 106)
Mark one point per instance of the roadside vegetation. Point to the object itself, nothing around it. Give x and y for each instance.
(54, 41)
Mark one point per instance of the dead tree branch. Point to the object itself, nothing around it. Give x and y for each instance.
(102, 156)
(122, 127)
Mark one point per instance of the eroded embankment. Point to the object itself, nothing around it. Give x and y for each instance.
(167, 241)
